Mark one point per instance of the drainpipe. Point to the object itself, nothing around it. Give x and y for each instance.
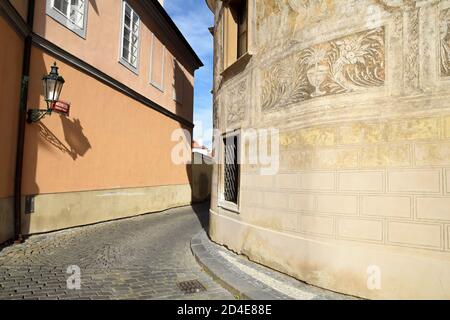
(21, 126)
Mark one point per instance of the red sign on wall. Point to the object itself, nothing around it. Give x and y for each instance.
(61, 107)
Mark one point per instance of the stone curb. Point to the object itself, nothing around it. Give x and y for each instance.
(214, 266)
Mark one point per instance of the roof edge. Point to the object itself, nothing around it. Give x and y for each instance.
(177, 31)
(211, 5)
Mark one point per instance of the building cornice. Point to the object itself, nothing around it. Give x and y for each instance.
(211, 5)
(83, 66)
(14, 18)
(21, 27)
(156, 10)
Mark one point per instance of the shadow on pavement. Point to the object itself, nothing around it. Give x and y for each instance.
(201, 210)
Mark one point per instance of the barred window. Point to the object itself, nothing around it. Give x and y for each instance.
(231, 169)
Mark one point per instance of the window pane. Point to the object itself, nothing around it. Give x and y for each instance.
(242, 28)
(127, 10)
(135, 23)
(62, 6)
(127, 34)
(242, 44)
(127, 21)
(125, 54)
(231, 172)
(126, 43)
(77, 12)
(130, 38)
(134, 40)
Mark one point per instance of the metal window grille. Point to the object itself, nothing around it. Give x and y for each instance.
(231, 172)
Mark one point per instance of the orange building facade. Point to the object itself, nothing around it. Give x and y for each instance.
(129, 77)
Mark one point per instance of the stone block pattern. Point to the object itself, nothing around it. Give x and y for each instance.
(384, 182)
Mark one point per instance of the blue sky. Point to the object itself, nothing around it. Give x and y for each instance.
(194, 18)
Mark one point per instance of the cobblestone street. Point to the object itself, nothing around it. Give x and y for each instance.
(138, 258)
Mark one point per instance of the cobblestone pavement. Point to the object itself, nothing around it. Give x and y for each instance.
(143, 257)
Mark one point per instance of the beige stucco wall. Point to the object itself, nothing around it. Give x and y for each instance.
(364, 176)
(65, 210)
(11, 70)
(108, 141)
(21, 6)
(99, 163)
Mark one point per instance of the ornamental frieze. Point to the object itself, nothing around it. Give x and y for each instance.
(444, 24)
(347, 64)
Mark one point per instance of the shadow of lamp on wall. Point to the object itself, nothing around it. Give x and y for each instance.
(53, 84)
(77, 143)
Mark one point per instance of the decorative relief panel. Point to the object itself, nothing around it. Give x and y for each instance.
(445, 42)
(279, 20)
(235, 103)
(347, 64)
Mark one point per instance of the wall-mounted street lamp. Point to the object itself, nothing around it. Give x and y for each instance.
(53, 84)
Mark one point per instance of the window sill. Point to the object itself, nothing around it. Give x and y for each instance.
(156, 86)
(130, 67)
(237, 65)
(230, 206)
(66, 22)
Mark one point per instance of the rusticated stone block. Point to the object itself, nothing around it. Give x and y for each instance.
(386, 206)
(433, 208)
(360, 229)
(316, 225)
(302, 202)
(299, 159)
(447, 127)
(432, 154)
(407, 233)
(385, 155)
(336, 159)
(414, 129)
(351, 134)
(337, 204)
(325, 136)
(425, 181)
(374, 133)
(361, 181)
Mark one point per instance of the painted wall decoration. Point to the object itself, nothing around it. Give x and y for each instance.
(445, 42)
(347, 64)
(279, 20)
(235, 103)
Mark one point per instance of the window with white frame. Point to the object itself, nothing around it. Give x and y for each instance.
(129, 48)
(70, 13)
(230, 172)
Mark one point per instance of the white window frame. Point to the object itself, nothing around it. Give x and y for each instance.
(122, 60)
(222, 203)
(64, 17)
(163, 65)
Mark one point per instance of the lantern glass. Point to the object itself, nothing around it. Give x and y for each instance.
(50, 90)
(53, 84)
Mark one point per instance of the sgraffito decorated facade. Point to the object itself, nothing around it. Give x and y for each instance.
(359, 91)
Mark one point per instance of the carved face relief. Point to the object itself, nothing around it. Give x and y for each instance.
(235, 103)
(347, 64)
(444, 26)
